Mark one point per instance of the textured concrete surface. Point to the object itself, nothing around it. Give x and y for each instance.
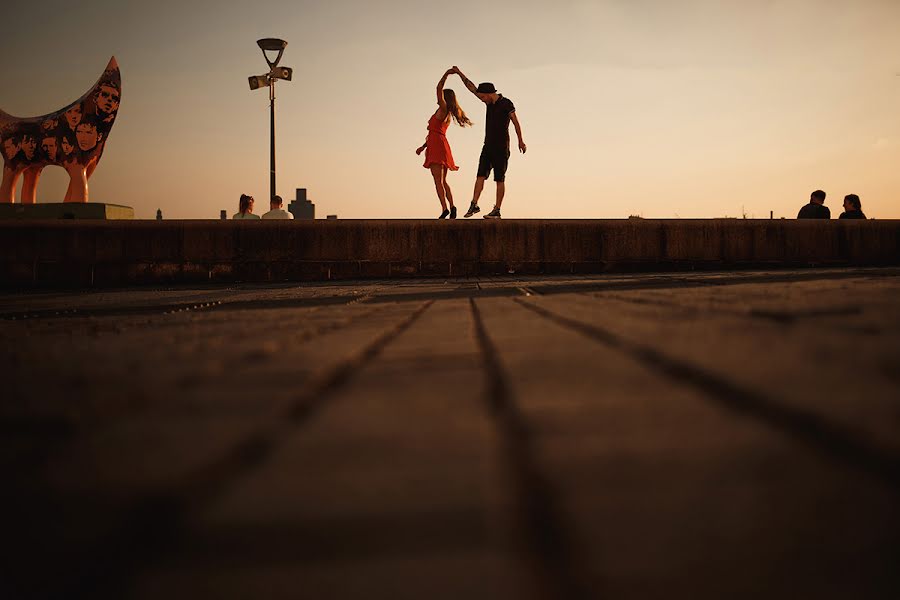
(98, 254)
(716, 435)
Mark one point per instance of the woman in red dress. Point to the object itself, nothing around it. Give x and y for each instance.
(438, 157)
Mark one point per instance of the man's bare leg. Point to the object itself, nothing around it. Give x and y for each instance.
(476, 194)
(501, 191)
(479, 186)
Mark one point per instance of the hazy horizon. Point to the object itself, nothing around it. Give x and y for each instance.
(704, 109)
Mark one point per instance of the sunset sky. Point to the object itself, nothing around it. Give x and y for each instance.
(658, 108)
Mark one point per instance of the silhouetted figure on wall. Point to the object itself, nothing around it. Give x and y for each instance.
(438, 156)
(276, 210)
(495, 153)
(852, 208)
(245, 208)
(816, 208)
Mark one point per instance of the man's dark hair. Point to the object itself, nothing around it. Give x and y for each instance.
(90, 121)
(854, 200)
(818, 195)
(276, 200)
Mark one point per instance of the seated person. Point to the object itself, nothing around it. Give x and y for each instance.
(276, 211)
(245, 208)
(816, 208)
(852, 208)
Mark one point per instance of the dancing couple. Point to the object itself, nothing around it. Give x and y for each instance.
(494, 155)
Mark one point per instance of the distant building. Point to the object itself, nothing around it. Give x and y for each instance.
(302, 208)
(331, 218)
(159, 214)
(223, 214)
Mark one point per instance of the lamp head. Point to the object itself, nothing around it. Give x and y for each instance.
(271, 45)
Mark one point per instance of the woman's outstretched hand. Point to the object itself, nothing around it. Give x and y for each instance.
(420, 149)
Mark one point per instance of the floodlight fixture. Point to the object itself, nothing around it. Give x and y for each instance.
(258, 81)
(282, 73)
(272, 45)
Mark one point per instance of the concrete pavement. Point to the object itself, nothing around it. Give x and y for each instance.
(632, 436)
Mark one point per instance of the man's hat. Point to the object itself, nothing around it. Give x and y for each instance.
(486, 88)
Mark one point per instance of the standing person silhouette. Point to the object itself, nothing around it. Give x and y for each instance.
(438, 156)
(495, 152)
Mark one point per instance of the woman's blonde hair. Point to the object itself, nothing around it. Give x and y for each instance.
(454, 110)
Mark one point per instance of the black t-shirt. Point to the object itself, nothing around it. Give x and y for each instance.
(814, 211)
(852, 214)
(496, 125)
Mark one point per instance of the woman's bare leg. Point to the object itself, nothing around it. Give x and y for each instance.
(447, 193)
(437, 174)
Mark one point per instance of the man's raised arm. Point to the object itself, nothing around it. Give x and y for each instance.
(468, 82)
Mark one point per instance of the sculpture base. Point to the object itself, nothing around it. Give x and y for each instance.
(66, 210)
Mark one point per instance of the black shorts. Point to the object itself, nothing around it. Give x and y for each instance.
(496, 159)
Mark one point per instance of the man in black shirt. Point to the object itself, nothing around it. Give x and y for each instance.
(495, 153)
(852, 208)
(816, 208)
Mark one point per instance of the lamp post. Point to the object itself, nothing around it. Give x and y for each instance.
(258, 81)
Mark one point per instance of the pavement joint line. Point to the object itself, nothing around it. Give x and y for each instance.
(677, 281)
(828, 438)
(783, 317)
(325, 328)
(152, 526)
(174, 308)
(584, 285)
(549, 541)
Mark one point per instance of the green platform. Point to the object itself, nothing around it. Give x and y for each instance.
(66, 210)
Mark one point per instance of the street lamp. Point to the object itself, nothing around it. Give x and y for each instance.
(268, 79)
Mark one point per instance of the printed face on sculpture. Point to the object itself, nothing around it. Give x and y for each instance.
(66, 146)
(48, 145)
(86, 136)
(10, 148)
(50, 124)
(29, 146)
(107, 99)
(73, 116)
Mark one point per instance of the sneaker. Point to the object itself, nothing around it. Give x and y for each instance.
(444, 214)
(494, 214)
(473, 208)
(452, 212)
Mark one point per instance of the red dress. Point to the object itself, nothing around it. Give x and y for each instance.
(437, 149)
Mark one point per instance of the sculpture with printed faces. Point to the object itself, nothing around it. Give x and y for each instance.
(72, 138)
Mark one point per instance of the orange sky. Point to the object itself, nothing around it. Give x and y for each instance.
(699, 108)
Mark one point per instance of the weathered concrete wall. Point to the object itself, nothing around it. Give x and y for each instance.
(60, 253)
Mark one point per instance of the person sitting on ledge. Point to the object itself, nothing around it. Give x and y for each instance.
(277, 212)
(852, 208)
(245, 208)
(816, 208)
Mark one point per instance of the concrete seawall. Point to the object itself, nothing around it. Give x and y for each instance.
(66, 253)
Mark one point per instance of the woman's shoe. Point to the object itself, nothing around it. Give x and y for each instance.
(452, 212)
(444, 214)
